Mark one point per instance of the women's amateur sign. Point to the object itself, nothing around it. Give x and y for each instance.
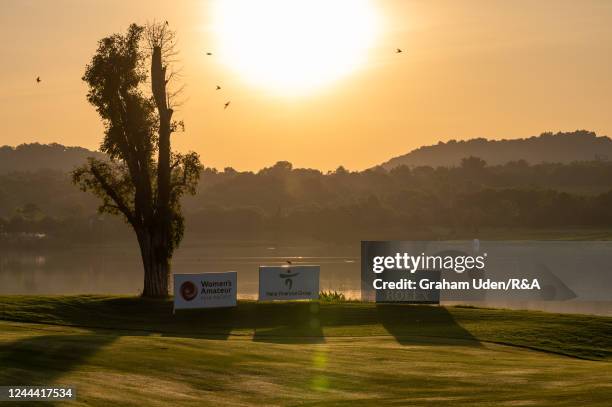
(205, 290)
(288, 282)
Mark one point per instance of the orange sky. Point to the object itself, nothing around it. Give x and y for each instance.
(495, 69)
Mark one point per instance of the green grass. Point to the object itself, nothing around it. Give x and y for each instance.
(129, 351)
(332, 297)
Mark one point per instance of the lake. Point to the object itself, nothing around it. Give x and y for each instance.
(116, 269)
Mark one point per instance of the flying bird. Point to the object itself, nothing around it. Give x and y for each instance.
(226, 104)
(218, 87)
(38, 80)
(398, 51)
(167, 22)
(209, 53)
(289, 262)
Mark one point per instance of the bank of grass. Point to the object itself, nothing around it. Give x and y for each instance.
(130, 351)
(521, 233)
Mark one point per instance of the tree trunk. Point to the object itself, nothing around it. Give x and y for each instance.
(156, 262)
(158, 87)
(163, 229)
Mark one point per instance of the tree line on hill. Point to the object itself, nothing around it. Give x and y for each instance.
(36, 156)
(548, 147)
(563, 147)
(280, 202)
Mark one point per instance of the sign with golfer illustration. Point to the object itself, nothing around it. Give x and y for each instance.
(205, 290)
(288, 283)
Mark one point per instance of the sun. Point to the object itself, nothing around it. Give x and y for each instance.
(293, 47)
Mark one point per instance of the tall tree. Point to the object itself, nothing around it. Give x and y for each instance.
(143, 180)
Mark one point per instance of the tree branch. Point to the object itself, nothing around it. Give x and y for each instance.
(109, 190)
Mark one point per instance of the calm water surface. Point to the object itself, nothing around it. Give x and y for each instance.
(117, 269)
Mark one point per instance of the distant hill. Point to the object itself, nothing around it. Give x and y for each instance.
(580, 145)
(34, 157)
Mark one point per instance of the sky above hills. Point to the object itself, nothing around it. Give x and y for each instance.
(494, 69)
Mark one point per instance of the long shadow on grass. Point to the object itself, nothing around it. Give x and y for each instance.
(298, 322)
(285, 322)
(43, 359)
(125, 316)
(424, 325)
(270, 322)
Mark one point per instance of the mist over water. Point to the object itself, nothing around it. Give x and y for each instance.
(117, 269)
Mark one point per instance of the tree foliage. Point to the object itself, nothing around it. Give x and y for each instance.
(143, 180)
(281, 202)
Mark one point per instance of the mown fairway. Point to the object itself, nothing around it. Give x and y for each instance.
(128, 351)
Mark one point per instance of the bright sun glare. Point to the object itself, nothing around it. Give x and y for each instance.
(293, 47)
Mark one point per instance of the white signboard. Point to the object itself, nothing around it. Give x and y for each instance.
(288, 282)
(205, 290)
